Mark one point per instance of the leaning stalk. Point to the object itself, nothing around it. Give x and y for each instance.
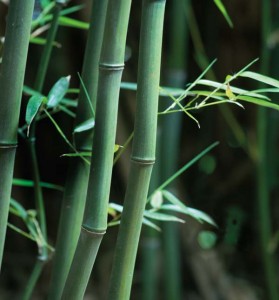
(143, 153)
(265, 228)
(95, 217)
(11, 83)
(38, 193)
(78, 173)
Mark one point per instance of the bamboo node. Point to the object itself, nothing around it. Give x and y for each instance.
(4, 145)
(91, 232)
(143, 161)
(114, 67)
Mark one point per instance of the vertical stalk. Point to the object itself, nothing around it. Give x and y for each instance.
(11, 83)
(38, 193)
(265, 227)
(143, 153)
(95, 215)
(170, 142)
(78, 173)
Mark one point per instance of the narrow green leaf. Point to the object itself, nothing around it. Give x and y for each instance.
(84, 126)
(70, 22)
(151, 224)
(259, 102)
(58, 91)
(42, 41)
(224, 12)
(194, 213)
(261, 78)
(30, 183)
(235, 90)
(161, 216)
(173, 199)
(18, 209)
(32, 109)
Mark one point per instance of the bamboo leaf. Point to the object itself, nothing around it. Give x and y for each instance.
(259, 102)
(151, 224)
(235, 90)
(30, 183)
(156, 200)
(70, 22)
(224, 12)
(261, 78)
(58, 91)
(194, 213)
(173, 199)
(32, 109)
(161, 216)
(84, 126)
(17, 209)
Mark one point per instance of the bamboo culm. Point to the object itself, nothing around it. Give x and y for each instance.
(11, 84)
(263, 190)
(143, 152)
(78, 173)
(95, 215)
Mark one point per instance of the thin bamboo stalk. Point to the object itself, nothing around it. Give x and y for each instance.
(143, 153)
(264, 214)
(78, 173)
(38, 193)
(95, 216)
(11, 83)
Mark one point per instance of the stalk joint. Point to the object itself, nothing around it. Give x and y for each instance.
(92, 232)
(111, 67)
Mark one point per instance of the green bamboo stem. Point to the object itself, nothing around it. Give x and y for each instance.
(78, 173)
(170, 145)
(151, 243)
(95, 216)
(265, 227)
(11, 83)
(38, 194)
(143, 153)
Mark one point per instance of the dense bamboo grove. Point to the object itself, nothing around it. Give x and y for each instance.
(128, 183)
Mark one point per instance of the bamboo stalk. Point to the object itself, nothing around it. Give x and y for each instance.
(264, 214)
(170, 146)
(11, 83)
(78, 173)
(38, 193)
(143, 153)
(95, 216)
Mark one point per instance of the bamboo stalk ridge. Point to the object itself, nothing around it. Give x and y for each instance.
(78, 173)
(143, 152)
(11, 84)
(95, 216)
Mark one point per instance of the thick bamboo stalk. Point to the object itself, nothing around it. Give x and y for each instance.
(11, 83)
(143, 153)
(78, 173)
(264, 214)
(95, 216)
